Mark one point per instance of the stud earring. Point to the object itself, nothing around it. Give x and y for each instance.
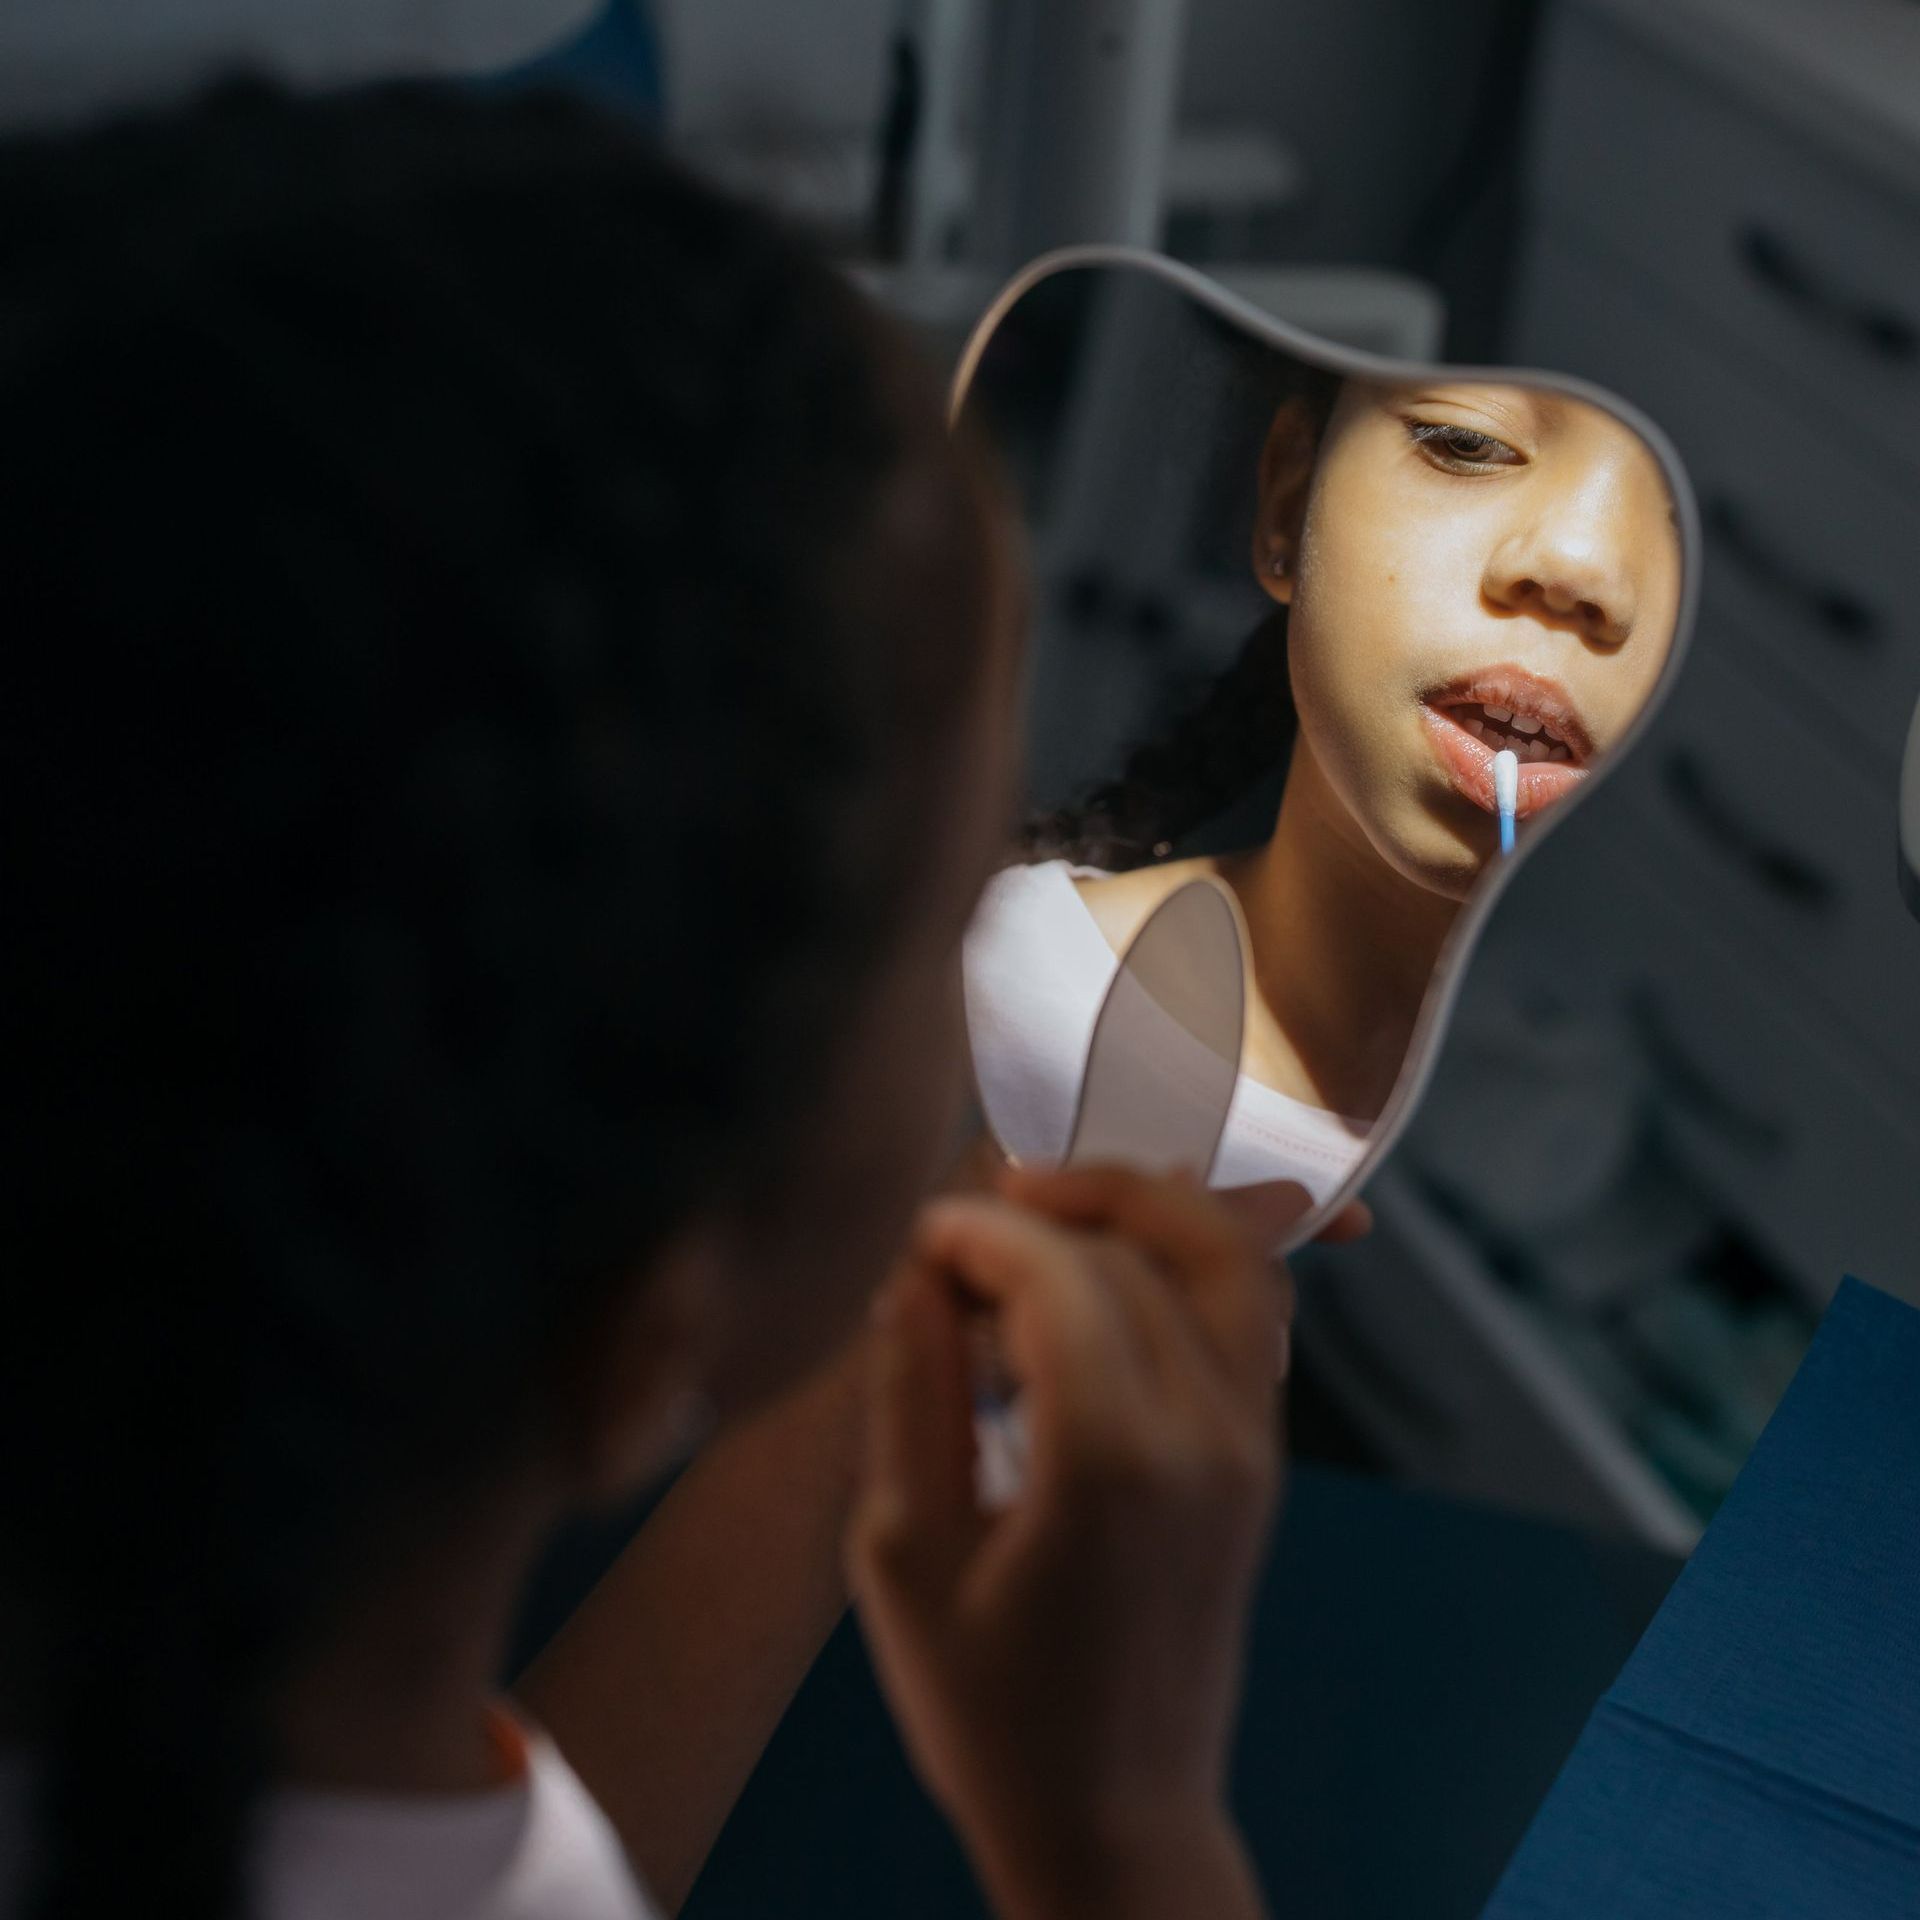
(1278, 564)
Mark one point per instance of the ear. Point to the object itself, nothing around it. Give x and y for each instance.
(1286, 475)
(635, 1403)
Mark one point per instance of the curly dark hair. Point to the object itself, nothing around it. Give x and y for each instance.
(1193, 781)
(481, 612)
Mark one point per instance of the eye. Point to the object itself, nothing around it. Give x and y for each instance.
(1461, 449)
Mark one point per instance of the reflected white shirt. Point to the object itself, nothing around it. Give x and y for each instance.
(1037, 969)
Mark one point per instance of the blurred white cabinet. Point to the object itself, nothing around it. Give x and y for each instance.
(1723, 225)
(1726, 229)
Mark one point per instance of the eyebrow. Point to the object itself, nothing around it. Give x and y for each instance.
(1510, 403)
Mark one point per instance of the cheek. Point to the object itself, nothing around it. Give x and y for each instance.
(875, 1142)
(1354, 639)
(898, 1121)
(1659, 610)
(1615, 687)
(917, 1084)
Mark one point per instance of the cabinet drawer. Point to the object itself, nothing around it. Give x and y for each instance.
(1810, 545)
(1756, 1086)
(1455, 1390)
(1781, 248)
(1818, 1162)
(1762, 826)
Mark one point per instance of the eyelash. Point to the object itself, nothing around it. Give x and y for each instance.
(1439, 441)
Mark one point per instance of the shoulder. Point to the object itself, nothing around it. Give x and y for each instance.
(1024, 903)
(1120, 902)
(536, 1848)
(1036, 971)
(570, 1861)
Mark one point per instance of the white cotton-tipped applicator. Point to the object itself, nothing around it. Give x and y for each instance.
(1506, 792)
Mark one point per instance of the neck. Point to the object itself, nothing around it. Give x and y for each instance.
(1344, 948)
(395, 1699)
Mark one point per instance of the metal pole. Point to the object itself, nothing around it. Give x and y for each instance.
(1078, 102)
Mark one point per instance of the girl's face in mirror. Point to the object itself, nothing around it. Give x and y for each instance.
(1468, 567)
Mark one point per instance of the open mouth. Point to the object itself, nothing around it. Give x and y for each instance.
(1471, 719)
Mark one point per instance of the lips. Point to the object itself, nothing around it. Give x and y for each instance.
(1472, 718)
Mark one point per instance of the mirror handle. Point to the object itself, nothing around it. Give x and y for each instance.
(1781, 870)
(1840, 615)
(1883, 332)
(1692, 1085)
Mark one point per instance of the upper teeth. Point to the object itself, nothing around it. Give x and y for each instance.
(1521, 723)
(1501, 714)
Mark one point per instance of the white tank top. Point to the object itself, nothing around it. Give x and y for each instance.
(1037, 969)
(538, 1848)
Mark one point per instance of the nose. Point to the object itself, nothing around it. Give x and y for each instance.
(1565, 567)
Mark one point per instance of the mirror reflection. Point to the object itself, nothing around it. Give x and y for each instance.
(1290, 615)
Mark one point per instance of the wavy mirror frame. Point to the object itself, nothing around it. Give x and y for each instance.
(1443, 992)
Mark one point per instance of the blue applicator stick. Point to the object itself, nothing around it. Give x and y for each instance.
(1506, 793)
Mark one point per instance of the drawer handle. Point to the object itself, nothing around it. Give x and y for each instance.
(1692, 1085)
(1780, 870)
(1774, 263)
(1839, 614)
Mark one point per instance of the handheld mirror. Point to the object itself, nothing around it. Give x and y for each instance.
(1307, 622)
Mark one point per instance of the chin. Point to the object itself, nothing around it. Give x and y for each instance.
(1432, 854)
(1456, 882)
(1451, 878)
